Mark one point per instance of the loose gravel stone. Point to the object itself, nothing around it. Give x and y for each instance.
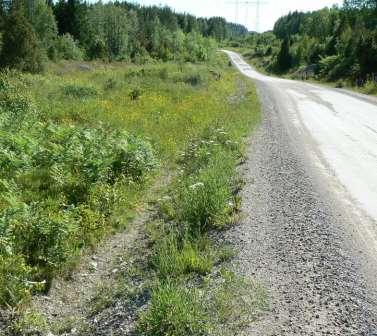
(295, 240)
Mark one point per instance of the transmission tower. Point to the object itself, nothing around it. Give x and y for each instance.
(247, 4)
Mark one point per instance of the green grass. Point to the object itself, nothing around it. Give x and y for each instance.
(174, 310)
(186, 298)
(87, 147)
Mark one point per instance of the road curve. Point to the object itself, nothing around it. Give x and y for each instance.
(310, 227)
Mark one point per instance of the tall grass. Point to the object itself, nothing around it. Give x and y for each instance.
(77, 151)
(187, 298)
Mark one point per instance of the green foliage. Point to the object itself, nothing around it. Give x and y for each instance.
(284, 58)
(135, 94)
(72, 173)
(33, 30)
(175, 256)
(339, 41)
(14, 277)
(43, 22)
(174, 311)
(370, 87)
(186, 298)
(77, 91)
(222, 305)
(204, 197)
(58, 186)
(328, 67)
(67, 48)
(20, 48)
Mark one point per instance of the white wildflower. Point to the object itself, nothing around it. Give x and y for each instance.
(197, 185)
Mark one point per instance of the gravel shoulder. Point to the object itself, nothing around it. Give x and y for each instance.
(302, 235)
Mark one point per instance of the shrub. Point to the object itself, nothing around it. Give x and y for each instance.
(15, 106)
(111, 84)
(135, 94)
(41, 236)
(59, 186)
(14, 279)
(193, 79)
(67, 48)
(370, 87)
(133, 158)
(327, 66)
(78, 91)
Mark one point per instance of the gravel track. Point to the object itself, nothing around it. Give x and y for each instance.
(302, 235)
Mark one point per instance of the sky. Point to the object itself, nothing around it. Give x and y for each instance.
(269, 12)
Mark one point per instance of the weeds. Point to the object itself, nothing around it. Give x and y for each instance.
(78, 91)
(190, 297)
(59, 185)
(174, 256)
(370, 88)
(174, 311)
(71, 172)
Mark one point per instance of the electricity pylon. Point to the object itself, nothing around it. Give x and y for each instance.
(256, 3)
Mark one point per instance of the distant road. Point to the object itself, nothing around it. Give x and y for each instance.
(310, 232)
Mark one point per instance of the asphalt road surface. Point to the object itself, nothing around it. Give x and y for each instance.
(309, 233)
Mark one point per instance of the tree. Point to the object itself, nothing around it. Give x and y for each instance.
(108, 27)
(20, 46)
(42, 18)
(284, 58)
(360, 4)
(71, 17)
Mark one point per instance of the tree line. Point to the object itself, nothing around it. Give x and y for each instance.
(337, 42)
(34, 31)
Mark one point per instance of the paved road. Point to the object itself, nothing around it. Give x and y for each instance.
(310, 227)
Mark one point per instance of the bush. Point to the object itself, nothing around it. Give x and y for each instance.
(41, 236)
(111, 84)
(15, 106)
(370, 87)
(67, 48)
(328, 66)
(78, 91)
(133, 158)
(135, 94)
(194, 79)
(14, 279)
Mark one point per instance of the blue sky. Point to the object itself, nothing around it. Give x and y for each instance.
(269, 12)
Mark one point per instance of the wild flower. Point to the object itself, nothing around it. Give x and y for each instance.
(196, 186)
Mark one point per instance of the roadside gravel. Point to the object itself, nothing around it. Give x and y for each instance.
(297, 240)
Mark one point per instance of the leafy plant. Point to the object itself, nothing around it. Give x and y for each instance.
(78, 91)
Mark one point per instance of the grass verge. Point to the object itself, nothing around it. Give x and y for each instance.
(102, 139)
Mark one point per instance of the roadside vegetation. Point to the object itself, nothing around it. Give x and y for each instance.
(188, 287)
(336, 45)
(97, 101)
(82, 144)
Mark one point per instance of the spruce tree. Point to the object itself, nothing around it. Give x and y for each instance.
(19, 44)
(284, 58)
